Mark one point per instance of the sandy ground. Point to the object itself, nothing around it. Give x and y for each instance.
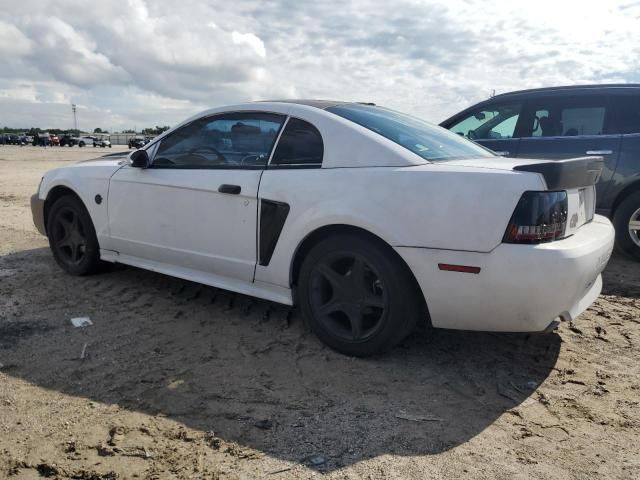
(184, 381)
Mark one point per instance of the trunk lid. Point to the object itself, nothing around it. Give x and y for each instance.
(558, 174)
(577, 176)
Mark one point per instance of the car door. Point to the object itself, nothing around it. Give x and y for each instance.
(626, 120)
(493, 125)
(569, 126)
(195, 207)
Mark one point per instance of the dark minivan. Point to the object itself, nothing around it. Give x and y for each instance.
(565, 122)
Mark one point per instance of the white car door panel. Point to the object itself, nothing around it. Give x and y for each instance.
(196, 206)
(179, 217)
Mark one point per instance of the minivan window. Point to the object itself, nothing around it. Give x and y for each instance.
(424, 139)
(566, 117)
(627, 114)
(490, 122)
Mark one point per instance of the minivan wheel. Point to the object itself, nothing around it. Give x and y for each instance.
(627, 223)
(357, 296)
(72, 237)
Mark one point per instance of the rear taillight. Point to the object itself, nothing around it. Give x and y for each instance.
(539, 217)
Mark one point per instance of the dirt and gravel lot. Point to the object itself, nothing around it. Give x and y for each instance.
(176, 380)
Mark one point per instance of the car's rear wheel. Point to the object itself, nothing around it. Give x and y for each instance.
(357, 295)
(72, 237)
(627, 223)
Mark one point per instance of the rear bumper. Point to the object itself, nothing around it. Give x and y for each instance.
(37, 211)
(520, 288)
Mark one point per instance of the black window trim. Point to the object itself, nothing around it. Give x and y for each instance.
(294, 166)
(217, 167)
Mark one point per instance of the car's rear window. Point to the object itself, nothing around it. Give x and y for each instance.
(431, 142)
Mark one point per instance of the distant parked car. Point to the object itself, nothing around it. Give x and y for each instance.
(68, 140)
(84, 141)
(25, 139)
(138, 142)
(54, 140)
(563, 122)
(42, 139)
(102, 142)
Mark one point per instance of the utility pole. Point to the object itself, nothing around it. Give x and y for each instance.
(75, 119)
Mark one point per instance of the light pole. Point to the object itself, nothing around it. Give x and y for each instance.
(75, 119)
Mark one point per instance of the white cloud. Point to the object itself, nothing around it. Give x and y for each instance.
(13, 41)
(251, 40)
(143, 63)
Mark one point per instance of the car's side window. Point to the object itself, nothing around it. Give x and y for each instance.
(299, 144)
(627, 114)
(231, 140)
(566, 117)
(490, 122)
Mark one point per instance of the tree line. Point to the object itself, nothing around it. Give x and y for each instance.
(157, 130)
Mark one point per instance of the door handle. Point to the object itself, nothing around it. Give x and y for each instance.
(231, 189)
(502, 153)
(599, 152)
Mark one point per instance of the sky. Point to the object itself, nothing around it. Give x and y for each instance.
(136, 63)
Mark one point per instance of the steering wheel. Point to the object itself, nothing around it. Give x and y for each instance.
(207, 148)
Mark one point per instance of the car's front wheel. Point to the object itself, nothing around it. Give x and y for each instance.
(357, 295)
(627, 223)
(72, 237)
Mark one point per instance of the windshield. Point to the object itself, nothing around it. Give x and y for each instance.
(429, 141)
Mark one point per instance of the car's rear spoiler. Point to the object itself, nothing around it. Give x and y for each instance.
(566, 174)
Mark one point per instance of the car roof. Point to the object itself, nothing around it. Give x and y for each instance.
(565, 88)
(321, 104)
(603, 88)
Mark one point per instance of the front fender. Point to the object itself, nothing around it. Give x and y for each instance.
(90, 182)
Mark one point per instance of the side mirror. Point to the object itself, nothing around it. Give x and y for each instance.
(139, 159)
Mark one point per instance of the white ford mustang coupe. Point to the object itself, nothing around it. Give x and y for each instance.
(368, 219)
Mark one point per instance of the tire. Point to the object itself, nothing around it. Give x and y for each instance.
(628, 239)
(81, 144)
(72, 237)
(357, 295)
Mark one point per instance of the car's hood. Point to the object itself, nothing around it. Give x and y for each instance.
(101, 167)
(112, 159)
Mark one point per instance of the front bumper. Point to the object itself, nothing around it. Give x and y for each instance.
(520, 288)
(37, 211)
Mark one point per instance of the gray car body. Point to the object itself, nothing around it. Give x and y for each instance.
(621, 174)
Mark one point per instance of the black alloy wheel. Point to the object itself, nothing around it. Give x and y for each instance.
(348, 296)
(357, 295)
(72, 237)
